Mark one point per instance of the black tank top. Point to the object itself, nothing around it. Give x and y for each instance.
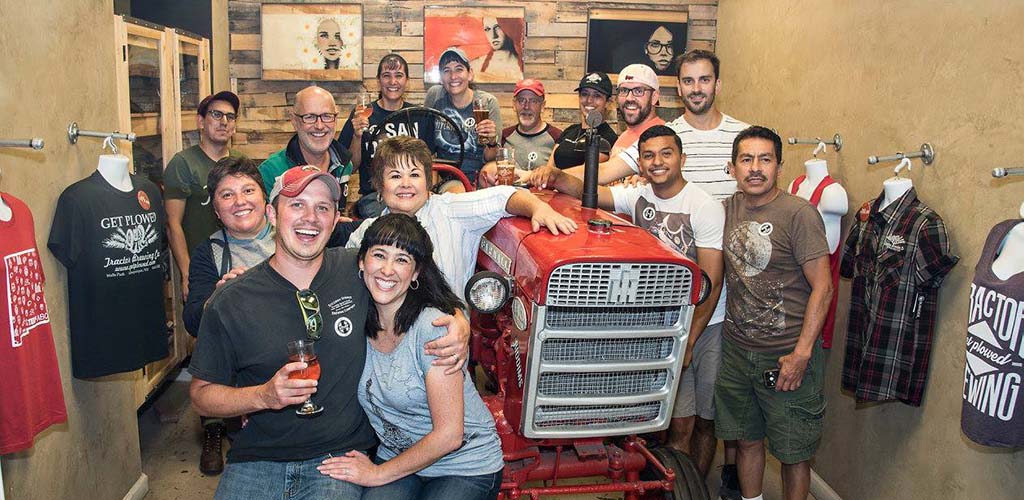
(993, 408)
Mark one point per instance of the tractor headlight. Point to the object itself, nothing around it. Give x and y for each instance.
(487, 292)
(705, 288)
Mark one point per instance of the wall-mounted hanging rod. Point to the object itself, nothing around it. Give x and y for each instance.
(836, 142)
(74, 133)
(926, 154)
(1006, 172)
(34, 143)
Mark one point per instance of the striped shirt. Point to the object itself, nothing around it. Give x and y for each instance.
(455, 223)
(707, 153)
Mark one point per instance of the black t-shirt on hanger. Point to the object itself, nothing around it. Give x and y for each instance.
(112, 244)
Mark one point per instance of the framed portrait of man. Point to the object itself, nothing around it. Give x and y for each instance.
(312, 41)
(493, 38)
(617, 38)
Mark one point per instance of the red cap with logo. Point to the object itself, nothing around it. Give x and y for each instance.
(295, 179)
(530, 84)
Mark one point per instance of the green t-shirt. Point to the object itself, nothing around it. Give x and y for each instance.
(185, 179)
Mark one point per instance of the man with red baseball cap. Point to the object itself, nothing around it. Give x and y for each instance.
(532, 138)
(241, 365)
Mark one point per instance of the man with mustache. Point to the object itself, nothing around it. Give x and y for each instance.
(190, 217)
(772, 368)
(314, 116)
(532, 138)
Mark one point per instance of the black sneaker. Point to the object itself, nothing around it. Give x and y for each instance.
(730, 488)
(211, 462)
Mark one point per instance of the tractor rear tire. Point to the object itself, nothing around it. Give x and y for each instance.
(688, 485)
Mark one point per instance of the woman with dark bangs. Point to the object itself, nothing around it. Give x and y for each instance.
(437, 438)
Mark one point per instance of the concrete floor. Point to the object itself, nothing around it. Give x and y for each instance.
(170, 438)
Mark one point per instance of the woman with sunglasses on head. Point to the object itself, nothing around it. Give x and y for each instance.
(437, 438)
(356, 134)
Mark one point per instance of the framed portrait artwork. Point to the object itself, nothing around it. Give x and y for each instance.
(617, 38)
(312, 41)
(493, 39)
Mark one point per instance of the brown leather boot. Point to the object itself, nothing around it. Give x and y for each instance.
(211, 462)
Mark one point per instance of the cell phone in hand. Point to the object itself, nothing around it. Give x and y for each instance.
(771, 377)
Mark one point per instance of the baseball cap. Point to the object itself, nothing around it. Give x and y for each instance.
(639, 73)
(294, 181)
(453, 54)
(530, 84)
(224, 95)
(598, 81)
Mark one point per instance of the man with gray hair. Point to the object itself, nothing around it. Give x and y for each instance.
(315, 117)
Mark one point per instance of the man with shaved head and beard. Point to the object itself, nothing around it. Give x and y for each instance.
(315, 117)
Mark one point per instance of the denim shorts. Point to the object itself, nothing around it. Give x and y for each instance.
(749, 411)
(273, 480)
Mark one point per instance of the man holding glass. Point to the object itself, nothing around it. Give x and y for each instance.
(241, 361)
(315, 117)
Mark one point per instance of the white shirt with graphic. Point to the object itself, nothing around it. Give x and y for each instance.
(689, 220)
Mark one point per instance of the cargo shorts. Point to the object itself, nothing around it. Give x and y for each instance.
(747, 410)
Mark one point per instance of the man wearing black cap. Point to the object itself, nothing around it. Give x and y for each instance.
(190, 217)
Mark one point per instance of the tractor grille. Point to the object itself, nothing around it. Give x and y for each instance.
(601, 384)
(612, 317)
(610, 284)
(603, 350)
(595, 417)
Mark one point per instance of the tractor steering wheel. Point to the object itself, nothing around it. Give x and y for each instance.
(428, 121)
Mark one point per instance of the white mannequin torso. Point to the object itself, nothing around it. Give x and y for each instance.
(1010, 260)
(114, 169)
(894, 188)
(5, 210)
(834, 203)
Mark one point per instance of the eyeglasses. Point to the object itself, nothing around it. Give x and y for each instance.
(310, 118)
(309, 303)
(532, 101)
(654, 46)
(218, 115)
(636, 91)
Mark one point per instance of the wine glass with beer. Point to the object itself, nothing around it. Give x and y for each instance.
(506, 164)
(304, 351)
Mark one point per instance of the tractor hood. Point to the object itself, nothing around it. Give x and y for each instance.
(512, 248)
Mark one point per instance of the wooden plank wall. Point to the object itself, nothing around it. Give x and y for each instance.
(555, 54)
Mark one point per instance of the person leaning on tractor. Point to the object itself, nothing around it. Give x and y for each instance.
(776, 269)
(437, 438)
(455, 221)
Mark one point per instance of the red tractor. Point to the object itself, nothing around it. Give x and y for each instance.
(584, 336)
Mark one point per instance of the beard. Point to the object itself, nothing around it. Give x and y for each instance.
(709, 100)
(642, 114)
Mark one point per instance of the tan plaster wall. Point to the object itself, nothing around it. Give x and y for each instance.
(888, 76)
(57, 67)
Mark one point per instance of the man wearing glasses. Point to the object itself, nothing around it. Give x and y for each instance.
(314, 116)
(532, 137)
(241, 364)
(190, 217)
(659, 50)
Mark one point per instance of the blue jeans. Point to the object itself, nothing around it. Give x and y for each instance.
(278, 480)
(484, 487)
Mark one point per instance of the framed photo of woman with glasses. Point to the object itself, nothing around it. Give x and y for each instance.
(617, 38)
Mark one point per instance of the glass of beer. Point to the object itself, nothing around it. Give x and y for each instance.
(303, 350)
(506, 162)
(480, 113)
(364, 106)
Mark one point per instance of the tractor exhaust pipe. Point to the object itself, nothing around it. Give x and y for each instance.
(592, 159)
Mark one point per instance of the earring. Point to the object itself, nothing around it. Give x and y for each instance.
(379, 199)
(360, 274)
(415, 285)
